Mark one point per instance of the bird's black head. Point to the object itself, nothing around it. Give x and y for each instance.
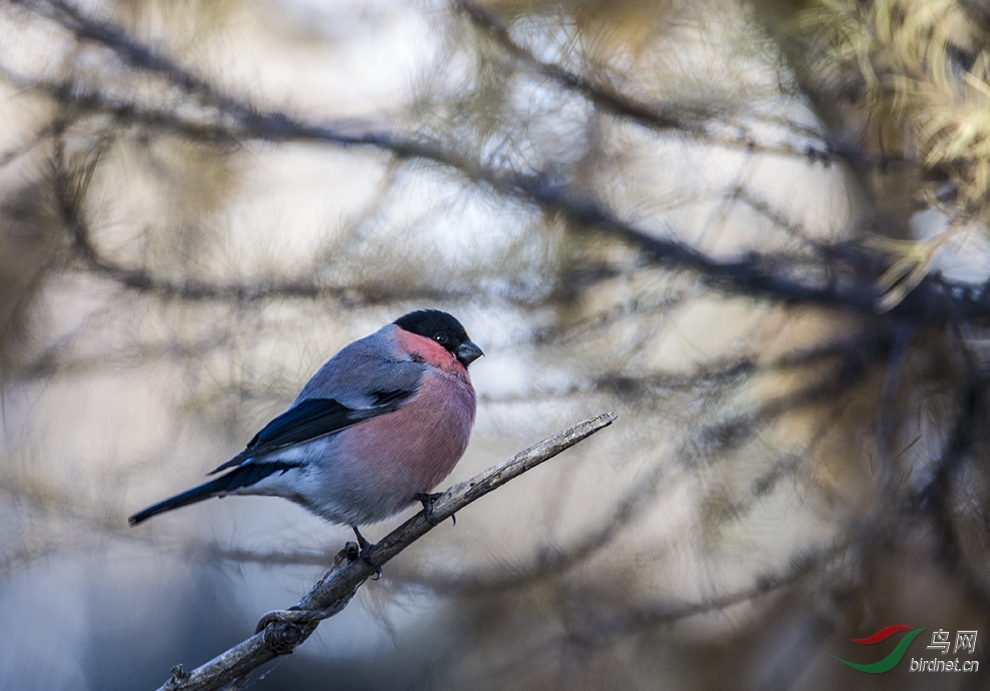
(444, 329)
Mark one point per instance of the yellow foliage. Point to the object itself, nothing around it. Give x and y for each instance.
(916, 89)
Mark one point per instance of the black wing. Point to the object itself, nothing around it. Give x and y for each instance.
(314, 418)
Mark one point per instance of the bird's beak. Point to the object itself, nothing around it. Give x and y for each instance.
(467, 352)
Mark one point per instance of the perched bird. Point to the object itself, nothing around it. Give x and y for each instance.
(375, 429)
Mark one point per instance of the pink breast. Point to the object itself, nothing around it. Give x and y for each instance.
(410, 451)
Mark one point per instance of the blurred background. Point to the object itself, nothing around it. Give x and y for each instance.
(757, 230)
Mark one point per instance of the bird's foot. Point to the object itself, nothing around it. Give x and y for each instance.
(364, 552)
(350, 552)
(427, 500)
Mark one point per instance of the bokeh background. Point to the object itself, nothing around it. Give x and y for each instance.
(757, 230)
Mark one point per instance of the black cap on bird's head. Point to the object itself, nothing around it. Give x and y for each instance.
(444, 329)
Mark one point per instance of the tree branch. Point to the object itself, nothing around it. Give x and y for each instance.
(847, 277)
(690, 121)
(279, 633)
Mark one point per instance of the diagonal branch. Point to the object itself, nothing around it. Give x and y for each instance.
(279, 633)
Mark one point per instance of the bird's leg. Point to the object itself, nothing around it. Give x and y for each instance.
(427, 500)
(362, 541)
(364, 546)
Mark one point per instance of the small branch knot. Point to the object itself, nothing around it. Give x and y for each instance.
(179, 675)
(282, 637)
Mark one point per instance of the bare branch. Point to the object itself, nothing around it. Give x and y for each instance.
(688, 121)
(550, 560)
(279, 633)
(646, 615)
(843, 276)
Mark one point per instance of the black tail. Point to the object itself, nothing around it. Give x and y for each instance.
(241, 476)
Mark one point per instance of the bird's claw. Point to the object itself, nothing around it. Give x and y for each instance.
(427, 501)
(350, 552)
(363, 550)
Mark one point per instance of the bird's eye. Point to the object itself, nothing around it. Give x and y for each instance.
(440, 338)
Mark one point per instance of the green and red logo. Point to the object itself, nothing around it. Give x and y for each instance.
(889, 662)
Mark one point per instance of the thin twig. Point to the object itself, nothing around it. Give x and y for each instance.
(690, 121)
(847, 279)
(279, 633)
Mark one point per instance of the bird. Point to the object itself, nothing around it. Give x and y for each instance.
(378, 426)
